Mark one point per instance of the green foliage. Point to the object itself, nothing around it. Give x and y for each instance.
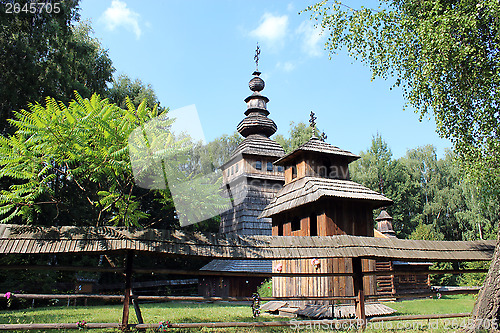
(123, 87)
(70, 164)
(432, 200)
(298, 135)
(46, 54)
(444, 56)
(473, 279)
(211, 156)
(426, 232)
(429, 232)
(266, 288)
(377, 170)
(443, 279)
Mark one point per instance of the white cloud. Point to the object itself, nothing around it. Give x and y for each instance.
(313, 40)
(286, 66)
(272, 29)
(118, 15)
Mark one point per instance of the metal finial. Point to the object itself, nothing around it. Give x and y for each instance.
(312, 121)
(256, 57)
(323, 136)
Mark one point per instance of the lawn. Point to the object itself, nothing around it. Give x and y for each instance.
(179, 312)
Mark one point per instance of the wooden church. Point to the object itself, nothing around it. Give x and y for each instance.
(319, 199)
(305, 193)
(253, 181)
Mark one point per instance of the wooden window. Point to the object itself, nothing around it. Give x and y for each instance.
(269, 166)
(294, 172)
(313, 224)
(232, 170)
(236, 168)
(410, 278)
(280, 168)
(258, 165)
(295, 224)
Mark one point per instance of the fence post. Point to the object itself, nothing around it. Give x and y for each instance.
(128, 287)
(359, 292)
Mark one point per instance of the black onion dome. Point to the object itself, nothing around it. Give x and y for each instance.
(256, 84)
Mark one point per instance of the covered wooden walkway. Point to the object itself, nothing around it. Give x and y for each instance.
(16, 239)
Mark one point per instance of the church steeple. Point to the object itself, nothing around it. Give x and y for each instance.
(253, 160)
(256, 120)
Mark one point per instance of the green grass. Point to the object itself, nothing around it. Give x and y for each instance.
(202, 312)
(447, 304)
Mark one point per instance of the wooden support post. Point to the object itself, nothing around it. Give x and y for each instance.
(138, 313)
(128, 289)
(359, 291)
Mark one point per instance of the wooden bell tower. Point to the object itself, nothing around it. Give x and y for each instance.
(319, 199)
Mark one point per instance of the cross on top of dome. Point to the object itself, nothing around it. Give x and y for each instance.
(256, 57)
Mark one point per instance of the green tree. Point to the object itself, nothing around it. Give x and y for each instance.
(123, 87)
(46, 54)
(70, 165)
(429, 232)
(444, 55)
(377, 170)
(298, 135)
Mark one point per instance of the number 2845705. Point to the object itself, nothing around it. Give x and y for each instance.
(32, 7)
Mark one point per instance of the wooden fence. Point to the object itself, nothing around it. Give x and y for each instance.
(129, 298)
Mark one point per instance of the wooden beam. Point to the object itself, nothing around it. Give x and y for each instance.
(427, 271)
(58, 326)
(63, 268)
(11, 327)
(69, 296)
(359, 291)
(216, 273)
(128, 289)
(138, 313)
(219, 273)
(179, 298)
(233, 299)
(419, 317)
(164, 271)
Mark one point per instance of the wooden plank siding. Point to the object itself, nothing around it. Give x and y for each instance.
(332, 218)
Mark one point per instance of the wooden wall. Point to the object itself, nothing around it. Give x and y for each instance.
(393, 285)
(414, 282)
(251, 196)
(334, 217)
(318, 165)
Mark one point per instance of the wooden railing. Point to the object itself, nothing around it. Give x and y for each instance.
(128, 298)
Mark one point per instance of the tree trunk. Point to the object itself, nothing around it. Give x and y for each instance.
(486, 312)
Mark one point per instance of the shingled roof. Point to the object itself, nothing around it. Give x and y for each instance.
(261, 145)
(316, 145)
(256, 124)
(16, 239)
(254, 266)
(309, 189)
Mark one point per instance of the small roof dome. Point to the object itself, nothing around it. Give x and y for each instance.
(383, 216)
(256, 83)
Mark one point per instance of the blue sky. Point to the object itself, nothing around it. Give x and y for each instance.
(201, 53)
